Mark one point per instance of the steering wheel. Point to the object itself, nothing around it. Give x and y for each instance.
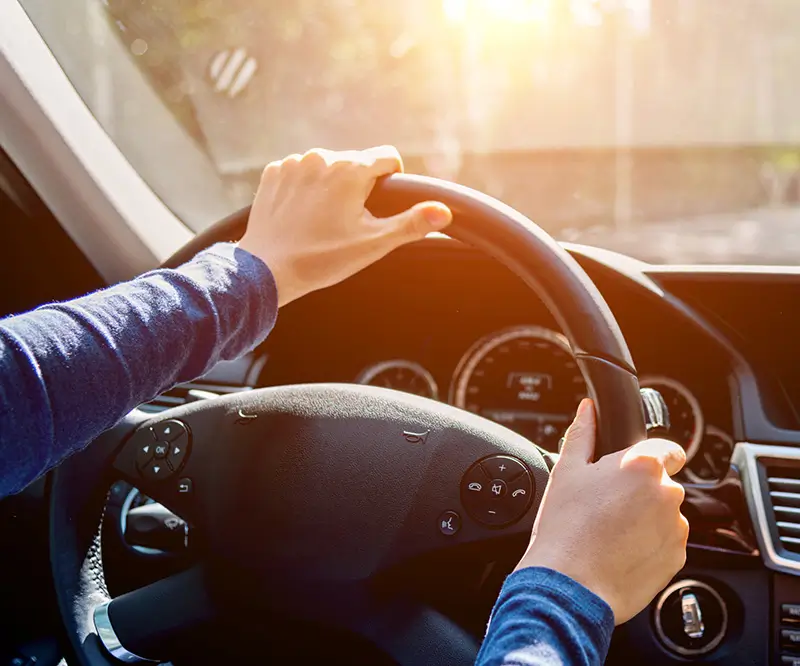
(305, 500)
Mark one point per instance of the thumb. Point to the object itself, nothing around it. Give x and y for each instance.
(578, 444)
(671, 455)
(419, 220)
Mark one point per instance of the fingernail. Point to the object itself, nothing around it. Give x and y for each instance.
(582, 407)
(438, 217)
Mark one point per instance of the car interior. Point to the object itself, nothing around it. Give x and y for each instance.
(328, 496)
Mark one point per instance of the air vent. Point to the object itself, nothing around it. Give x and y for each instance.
(783, 484)
(190, 392)
(771, 482)
(225, 377)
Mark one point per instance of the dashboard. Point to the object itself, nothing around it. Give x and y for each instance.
(475, 337)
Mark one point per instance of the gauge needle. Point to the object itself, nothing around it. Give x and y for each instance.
(711, 462)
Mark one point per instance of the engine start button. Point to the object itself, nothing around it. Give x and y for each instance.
(691, 618)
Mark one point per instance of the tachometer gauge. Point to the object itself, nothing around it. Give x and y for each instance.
(713, 457)
(401, 375)
(685, 415)
(524, 378)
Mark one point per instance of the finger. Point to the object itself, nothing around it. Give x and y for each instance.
(379, 160)
(670, 456)
(673, 490)
(382, 161)
(416, 222)
(578, 446)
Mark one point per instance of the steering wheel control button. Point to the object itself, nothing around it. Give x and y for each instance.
(520, 493)
(161, 458)
(503, 467)
(790, 613)
(185, 486)
(494, 517)
(497, 489)
(475, 490)
(449, 523)
(168, 431)
(144, 454)
(156, 470)
(790, 638)
(177, 453)
(160, 450)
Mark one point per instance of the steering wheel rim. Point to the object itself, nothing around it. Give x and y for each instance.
(479, 220)
(536, 258)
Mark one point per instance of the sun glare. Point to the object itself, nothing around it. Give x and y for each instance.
(514, 11)
(455, 10)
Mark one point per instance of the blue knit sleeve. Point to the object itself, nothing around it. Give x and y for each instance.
(544, 618)
(69, 371)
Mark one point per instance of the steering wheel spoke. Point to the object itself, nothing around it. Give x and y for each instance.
(165, 619)
(156, 622)
(408, 632)
(413, 634)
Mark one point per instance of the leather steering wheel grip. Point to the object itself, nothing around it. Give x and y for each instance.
(528, 251)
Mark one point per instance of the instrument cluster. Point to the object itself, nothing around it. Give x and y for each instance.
(526, 378)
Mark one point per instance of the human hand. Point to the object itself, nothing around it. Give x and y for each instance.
(308, 222)
(614, 525)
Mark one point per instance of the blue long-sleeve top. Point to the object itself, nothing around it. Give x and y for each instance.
(69, 371)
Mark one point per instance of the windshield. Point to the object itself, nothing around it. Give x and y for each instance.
(664, 129)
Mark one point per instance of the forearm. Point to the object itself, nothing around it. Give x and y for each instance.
(543, 618)
(69, 371)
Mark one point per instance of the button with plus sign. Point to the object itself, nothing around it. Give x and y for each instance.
(505, 468)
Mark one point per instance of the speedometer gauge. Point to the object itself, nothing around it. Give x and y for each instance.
(525, 378)
(713, 457)
(685, 416)
(401, 375)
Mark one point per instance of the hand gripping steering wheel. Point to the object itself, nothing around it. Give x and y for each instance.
(315, 501)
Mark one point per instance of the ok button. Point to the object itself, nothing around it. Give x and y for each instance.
(497, 489)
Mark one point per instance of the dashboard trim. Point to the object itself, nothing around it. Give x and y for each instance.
(746, 457)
